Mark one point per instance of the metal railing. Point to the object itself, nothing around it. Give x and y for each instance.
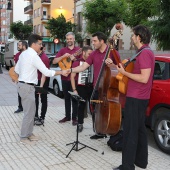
(45, 1)
(29, 22)
(28, 8)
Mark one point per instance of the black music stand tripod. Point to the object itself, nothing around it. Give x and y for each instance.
(75, 143)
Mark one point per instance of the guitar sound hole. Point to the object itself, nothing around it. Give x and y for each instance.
(68, 59)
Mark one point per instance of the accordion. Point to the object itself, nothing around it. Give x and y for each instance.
(86, 77)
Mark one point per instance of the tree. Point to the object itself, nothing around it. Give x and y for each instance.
(20, 31)
(139, 11)
(160, 25)
(58, 27)
(102, 15)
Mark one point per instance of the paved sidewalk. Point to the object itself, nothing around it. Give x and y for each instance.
(50, 152)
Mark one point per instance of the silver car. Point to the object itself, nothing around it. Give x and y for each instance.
(55, 82)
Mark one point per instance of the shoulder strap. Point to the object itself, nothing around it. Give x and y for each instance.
(135, 55)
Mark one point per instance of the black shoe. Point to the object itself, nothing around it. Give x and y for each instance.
(39, 122)
(18, 110)
(118, 168)
(98, 136)
(36, 119)
(74, 122)
(80, 128)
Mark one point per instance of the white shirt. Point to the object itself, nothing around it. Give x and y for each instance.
(28, 64)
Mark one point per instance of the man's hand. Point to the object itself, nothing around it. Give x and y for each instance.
(65, 72)
(66, 55)
(120, 68)
(75, 91)
(108, 61)
(72, 57)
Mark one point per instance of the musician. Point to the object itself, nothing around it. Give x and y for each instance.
(82, 90)
(22, 46)
(43, 81)
(66, 83)
(26, 68)
(96, 58)
(135, 145)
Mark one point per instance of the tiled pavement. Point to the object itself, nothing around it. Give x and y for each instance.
(50, 152)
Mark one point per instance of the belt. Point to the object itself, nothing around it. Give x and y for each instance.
(27, 83)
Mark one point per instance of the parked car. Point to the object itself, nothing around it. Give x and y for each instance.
(158, 112)
(55, 82)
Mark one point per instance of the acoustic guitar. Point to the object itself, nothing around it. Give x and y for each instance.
(12, 74)
(123, 80)
(66, 62)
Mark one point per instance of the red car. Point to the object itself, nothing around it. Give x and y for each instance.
(158, 111)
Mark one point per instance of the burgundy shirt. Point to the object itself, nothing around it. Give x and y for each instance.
(46, 61)
(96, 58)
(67, 50)
(16, 57)
(75, 64)
(144, 60)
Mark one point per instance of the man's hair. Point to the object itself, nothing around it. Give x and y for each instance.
(70, 33)
(24, 43)
(86, 48)
(143, 32)
(100, 36)
(33, 38)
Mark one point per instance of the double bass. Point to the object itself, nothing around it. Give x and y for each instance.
(107, 113)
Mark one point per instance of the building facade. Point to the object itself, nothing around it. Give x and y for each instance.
(40, 11)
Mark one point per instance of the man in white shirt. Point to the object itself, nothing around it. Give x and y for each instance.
(26, 68)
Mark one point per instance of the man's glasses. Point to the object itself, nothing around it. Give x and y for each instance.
(39, 44)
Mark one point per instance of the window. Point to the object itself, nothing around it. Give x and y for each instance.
(35, 13)
(161, 71)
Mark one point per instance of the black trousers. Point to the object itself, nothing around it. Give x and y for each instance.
(68, 100)
(135, 144)
(43, 100)
(19, 102)
(84, 92)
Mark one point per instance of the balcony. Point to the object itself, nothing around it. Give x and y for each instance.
(28, 9)
(45, 18)
(28, 22)
(46, 2)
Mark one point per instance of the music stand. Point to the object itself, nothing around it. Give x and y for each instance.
(75, 143)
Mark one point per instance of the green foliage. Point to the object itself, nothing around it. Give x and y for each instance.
(102, 15)
(154, 14)
(20, 31)
(139, 12)
(160, 26)
(58, 27)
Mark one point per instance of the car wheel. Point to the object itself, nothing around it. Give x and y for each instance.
(56, 89)
(162, 132)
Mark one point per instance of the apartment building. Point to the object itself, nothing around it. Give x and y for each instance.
(40, 11)
(5, 13)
